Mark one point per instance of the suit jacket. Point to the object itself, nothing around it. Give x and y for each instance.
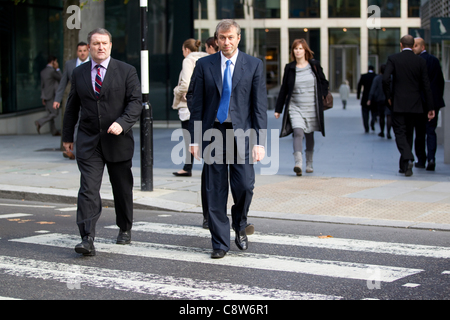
(49, 82)
(65, 79)
(285, 94)
(409, 79)
(366, 82)
(248, 103)
(437, 82)
(120, 101)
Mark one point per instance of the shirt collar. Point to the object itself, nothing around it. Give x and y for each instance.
(81, 62)
(233, 58)
(104, 64)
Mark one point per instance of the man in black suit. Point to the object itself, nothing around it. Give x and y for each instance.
(426, 130)
(230, 98)
(366, 83)
(109, 94)
(409, 79)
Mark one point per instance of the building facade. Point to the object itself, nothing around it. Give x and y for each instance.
(346, 36)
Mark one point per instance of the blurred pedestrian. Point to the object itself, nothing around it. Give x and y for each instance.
(344, 92)
(301, 92)
(365, 82)
(191, 54)
(50, 77)
(377, 99)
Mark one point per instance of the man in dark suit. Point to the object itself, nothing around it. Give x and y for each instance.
(82, 57)
(230, 98)
(50, 77)
(426, 130)
(409, 79)
(366, 83)
(109, 94)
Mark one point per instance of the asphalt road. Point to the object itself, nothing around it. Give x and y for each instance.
(169, 260)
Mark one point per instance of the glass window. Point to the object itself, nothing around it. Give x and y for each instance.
(304, 8)
(202, 7)
(229, 9)
(267, 48)
(344, 8)
(413, 8)
(38, 34)
(382, 43)
(388, 8)
(266, 9)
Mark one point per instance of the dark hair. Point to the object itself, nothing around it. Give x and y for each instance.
(100, 31)
(81, 44)
(309, 54)
(192, 44)
(371, 68)
(382, 68)
(211, 42)
(51, 58)
(407, 41)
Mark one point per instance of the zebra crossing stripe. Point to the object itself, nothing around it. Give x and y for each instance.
(14, 215)
(336, 269)
(76, 276)
(305, 241)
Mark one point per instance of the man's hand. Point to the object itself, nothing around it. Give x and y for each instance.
(56, 105)
(195, 152)
(115, 129)
(277, 115)
(258, 153)
(431, 115)
(68, 146)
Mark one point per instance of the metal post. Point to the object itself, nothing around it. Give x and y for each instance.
(146, 122)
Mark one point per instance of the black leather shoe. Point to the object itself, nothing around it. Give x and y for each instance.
(241, 240)
(249, 229)
(218, 254)
(86, 247)
(431, 165)
(408, 171)
(183, 174)
(124, 237)
(419, 165)
(205, 224)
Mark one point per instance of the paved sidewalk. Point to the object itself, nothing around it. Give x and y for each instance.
(355, 179)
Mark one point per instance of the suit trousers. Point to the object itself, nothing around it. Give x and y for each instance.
(425, 143)
(215, 177)
(403, 125)
(89, 201)
(50, 117)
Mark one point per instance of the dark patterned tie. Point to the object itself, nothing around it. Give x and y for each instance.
(98, 82)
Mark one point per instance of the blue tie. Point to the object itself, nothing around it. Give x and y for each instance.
(222, 113)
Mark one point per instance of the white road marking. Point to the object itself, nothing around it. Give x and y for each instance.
(25, 205)
(14, 215)
(145, 283)
(336, 269)
(306, 241)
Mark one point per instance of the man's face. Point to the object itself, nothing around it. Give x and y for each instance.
(418, 48)
(82, 52)
(100, 47)
(228, 41)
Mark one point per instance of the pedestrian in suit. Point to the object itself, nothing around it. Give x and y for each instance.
(409, 79)
(426, 130)
(365, 82)
(301, 92)
(50, 77)
(229, 97)
(109, 94)
(82, 57)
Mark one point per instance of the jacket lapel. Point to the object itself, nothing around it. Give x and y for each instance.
(239, 69)
(109, 76)
(87, 78)
(216, 72)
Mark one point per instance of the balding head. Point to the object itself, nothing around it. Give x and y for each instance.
(419, 45)
(407, 41)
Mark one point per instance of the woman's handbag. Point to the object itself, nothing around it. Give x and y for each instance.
(328, 101)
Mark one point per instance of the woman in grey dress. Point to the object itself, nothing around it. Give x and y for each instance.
(303, 88)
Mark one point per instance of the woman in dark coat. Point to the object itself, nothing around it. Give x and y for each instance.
(302, 91)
